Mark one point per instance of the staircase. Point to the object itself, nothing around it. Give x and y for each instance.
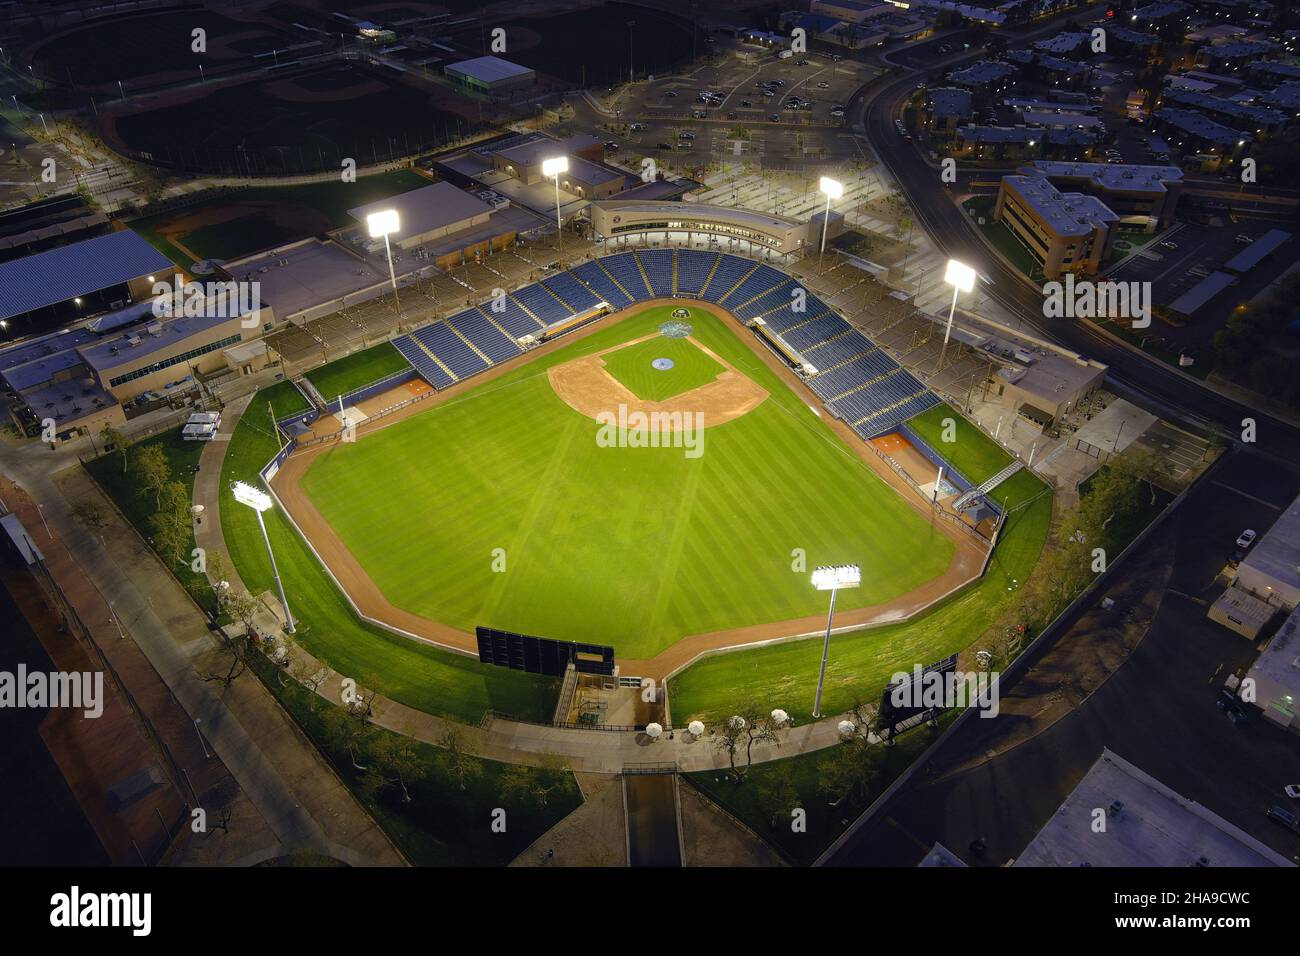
(969, 498)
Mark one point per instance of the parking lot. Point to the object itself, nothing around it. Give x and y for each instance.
(738, 122)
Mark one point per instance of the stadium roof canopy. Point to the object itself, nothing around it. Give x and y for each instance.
(426, 209)
(78, 268)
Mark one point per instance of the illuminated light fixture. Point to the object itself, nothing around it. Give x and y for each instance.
(383, 223)
(554, 167)
(962, 279)
(831, 578)
(260, 501)
(833, 189)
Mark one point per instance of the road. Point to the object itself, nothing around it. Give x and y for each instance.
(1177, 395)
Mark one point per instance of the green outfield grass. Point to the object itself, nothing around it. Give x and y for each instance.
(358, 369)
(635, 547)
(632, 366)
(862, 662)
(433, 680)
(284, 399)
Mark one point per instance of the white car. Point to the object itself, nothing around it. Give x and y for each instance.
(1292, 790)
(1247, 538)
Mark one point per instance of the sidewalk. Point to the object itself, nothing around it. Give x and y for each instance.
(297, 795)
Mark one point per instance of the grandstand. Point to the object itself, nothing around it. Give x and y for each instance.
(857, 380)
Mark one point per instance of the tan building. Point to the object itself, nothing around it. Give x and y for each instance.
(587, 177)
(1144, 197)
(1063, 232)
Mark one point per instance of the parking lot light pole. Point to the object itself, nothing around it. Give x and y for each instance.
(260, 501)
(831, 579)
(833, 190)
(962, 279)
(554, 167)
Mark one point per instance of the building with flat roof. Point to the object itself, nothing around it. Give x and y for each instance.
(587, 177)
(1063, 232)
(1271, 570)
(1241, 612)
(984, 76)
(79, 279)
(1143, 197)
(490, 74)
(1276, 673)
(1191, 131)
(1046, 383)
(427, 213)
(946, 107)
(756, 233)
(1147, 824)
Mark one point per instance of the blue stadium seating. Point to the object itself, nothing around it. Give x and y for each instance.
(815, 332)
(571, 291)
(763, 279)
(693, 267)
(451, 351)
(594, 276)
(624, 268)
(486, 337)
(658, 265)
(421, 362)
(783, 318)
(541, 303)
(839, 350)
(513, 319)
(731, 271)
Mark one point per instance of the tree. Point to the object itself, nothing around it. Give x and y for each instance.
(114, 440)
(395, 754)
(778, 793)
(848, 771)
(535, 784)
(172, 525)
(153, 471)
(459, 765)
(741, 731)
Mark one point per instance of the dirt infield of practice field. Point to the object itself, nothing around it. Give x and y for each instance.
(965, 566)
(588, 388)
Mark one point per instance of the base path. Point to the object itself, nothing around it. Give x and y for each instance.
(967, 560)
(587, 387)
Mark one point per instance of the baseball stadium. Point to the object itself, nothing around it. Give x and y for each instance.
(648, 451)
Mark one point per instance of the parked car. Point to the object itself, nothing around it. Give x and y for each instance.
(1237, 714)
(1283, 816)
(1225, 700)
(1246, 538)
(1242, 239)
(698, 114)
(1292, 790)
(775, 117)
(685, 135)
(637, 127)
(611, 147)
(667, 146)
(823, 85)
(746, 103)
(1168, 245)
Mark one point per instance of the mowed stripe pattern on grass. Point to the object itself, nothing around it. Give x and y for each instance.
(636, 547)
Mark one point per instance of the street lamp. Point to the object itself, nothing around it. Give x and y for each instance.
(554, 167)
(833, 190)
(381, 224)
(962, 279)
(832, 578)
(260, 501)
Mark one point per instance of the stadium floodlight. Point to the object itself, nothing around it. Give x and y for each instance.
(833, 189)
(832, 578)
(260, 501)
(962, 279)
(384, 223)
(554, 167)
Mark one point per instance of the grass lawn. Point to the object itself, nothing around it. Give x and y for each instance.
(285, 400)
(975, 454)
(634, 547)
(183, 456)
(430, 679)
(358, 369)
(752, 803)
(1002, 239)
(443, 825)
(632, 367)
(861, 662)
